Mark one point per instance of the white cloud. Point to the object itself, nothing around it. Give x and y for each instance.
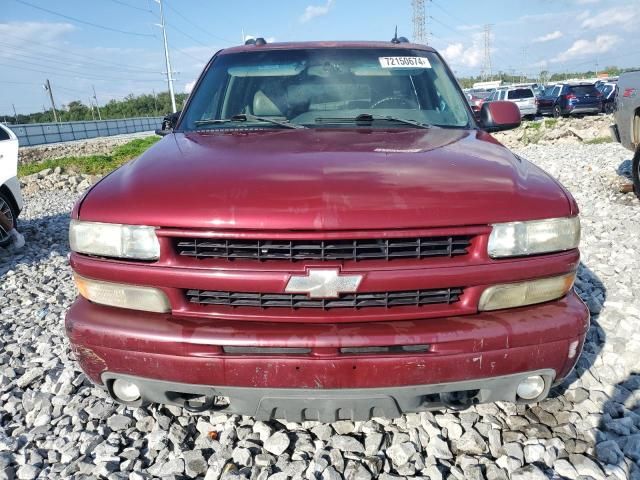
(586, 2)
(313, 11)
(41, 32)
(469, 56)
(626, 18)
(584, 47)
(189, 86)
(548, 37)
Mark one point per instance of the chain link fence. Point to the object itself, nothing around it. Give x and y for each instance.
(42, 133)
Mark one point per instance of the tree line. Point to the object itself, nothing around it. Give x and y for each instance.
(146, 105)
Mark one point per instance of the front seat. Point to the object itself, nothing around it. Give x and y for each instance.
(263, 106)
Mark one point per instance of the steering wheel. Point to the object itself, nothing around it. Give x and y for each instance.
(400, 102)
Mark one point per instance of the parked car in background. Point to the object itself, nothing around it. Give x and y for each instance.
(626, 129)
(523, 97)
(474, 102)
(571, 99)
(608, 91)
(10, 196)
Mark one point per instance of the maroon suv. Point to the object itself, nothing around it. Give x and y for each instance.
(326, 232)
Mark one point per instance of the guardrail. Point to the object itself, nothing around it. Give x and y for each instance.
(30, 134)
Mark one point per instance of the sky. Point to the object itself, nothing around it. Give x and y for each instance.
(115, 46)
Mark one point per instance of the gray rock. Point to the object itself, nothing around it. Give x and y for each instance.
(27, 472)
(277, 443)
(438, 448)
(119, 422)
(401, 453)
(472, 443)
(345, 443)
(529, 472)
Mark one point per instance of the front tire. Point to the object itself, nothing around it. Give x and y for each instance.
(7, 207)
(557, 113)
(635, 173)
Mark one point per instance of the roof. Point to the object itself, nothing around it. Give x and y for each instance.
(326, 44)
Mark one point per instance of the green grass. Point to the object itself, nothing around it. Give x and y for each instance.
(534, 125)
(93, 164)
(598, 140)
(550, 122)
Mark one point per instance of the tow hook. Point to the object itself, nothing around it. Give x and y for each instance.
(203, 404)
(459, 400)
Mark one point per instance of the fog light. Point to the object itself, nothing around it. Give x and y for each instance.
(531, 387)
(125, 390)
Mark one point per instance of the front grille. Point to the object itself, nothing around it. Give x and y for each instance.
(415, 298)
(292, 250)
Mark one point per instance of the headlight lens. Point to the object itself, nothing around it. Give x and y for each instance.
(529, 238)
(114, 240)
(134, 297)
(510, 295)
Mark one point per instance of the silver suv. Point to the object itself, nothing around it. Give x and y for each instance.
(524, 97)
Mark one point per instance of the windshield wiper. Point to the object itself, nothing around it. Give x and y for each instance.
(244, 117)
(368, 118)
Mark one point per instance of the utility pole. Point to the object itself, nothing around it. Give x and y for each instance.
(155, 102)
(596, 67)
(167, 59)
(47, 87)
(96, 100)
(419, 22)
(15, 115)
(523, 77)
(93, 117)
(486, 65)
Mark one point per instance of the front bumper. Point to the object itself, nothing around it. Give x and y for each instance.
(171, 356)
(13, 184)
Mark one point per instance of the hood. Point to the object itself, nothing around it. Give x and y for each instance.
(325, 179)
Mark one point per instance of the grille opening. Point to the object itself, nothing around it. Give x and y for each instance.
(293, 250)
(389, 349)
(416, 298)
(265, 350)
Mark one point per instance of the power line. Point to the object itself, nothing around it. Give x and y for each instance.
(56, 61)
(66, 52)
(173, 27)
(120, 2)
(205, 31)
(84, 22)
(74, 74)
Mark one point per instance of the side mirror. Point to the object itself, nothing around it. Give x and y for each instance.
(499, 115)
(168, 123)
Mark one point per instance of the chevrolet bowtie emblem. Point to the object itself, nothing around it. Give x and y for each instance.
(323, 283)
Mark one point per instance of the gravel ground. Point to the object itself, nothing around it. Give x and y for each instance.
(78, 148)
(54, 424)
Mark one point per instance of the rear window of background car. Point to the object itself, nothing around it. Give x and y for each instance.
(584, 90)
(519, 93)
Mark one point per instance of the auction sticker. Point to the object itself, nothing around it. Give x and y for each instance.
(404, 62)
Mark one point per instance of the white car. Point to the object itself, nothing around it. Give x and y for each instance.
(10, 196)
(523, 97)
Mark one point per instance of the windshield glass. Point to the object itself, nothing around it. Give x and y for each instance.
(310, 87)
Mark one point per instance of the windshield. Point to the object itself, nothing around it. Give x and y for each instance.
(312, 87)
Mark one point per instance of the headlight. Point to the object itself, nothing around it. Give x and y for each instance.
(114, 240)
(510, 295)
(529, 238)
(120, 295)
